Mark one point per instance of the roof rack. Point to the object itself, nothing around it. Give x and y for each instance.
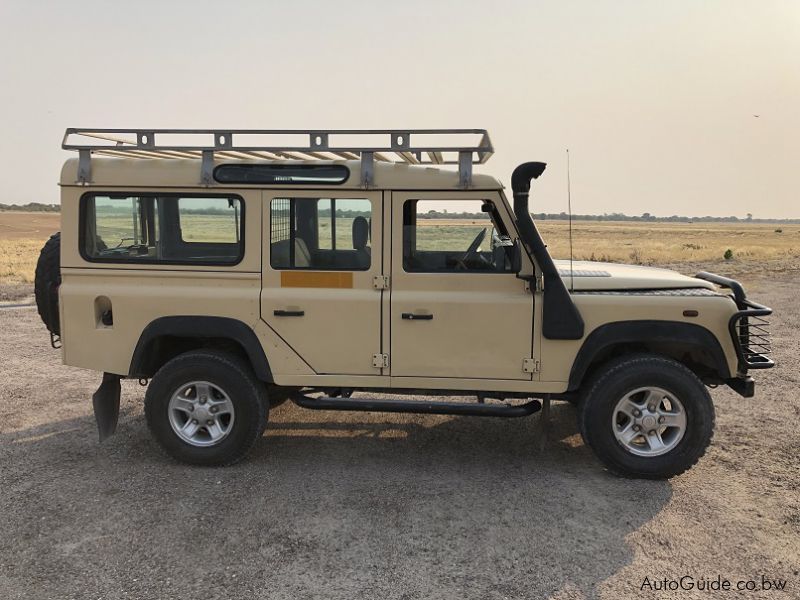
(462, 147)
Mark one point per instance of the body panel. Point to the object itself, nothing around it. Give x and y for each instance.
(481, 325)
(600, 309)
(340, 327)
(589, 275)
(485, 323)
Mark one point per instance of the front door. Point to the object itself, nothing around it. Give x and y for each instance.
(322, 252)
(457, 310)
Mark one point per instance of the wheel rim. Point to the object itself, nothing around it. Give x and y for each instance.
(649, 421)
(201, 413)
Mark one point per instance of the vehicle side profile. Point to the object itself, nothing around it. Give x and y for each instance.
(231, 271)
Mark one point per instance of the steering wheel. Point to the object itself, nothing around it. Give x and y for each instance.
(472, 250)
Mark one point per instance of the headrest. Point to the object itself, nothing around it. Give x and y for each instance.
(360, 233)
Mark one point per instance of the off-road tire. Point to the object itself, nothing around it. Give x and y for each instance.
(47, 281)
(625, 374)
(246, 392)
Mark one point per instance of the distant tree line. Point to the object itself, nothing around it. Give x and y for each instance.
(31, 207)
(645, 217)
(344, 213)
(444, 214)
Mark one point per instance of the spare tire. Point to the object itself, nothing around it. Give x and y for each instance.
(47, 282)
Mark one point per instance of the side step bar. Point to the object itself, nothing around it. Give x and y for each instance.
(419, 407)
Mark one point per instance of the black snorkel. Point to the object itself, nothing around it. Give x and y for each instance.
(560, 317)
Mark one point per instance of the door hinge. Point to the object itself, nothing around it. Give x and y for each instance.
(530, 365)
(380, 361)
(380, 282)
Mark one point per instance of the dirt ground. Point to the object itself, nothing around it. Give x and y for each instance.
(350, 505)
(26, 225)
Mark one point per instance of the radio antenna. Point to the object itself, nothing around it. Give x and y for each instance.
(569, 211)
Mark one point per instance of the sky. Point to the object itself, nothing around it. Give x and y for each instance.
(680, 107)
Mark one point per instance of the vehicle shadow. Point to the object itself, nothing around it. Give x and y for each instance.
(333, 505)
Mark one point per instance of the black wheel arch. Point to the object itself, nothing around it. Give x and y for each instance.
(668, 338)
(166, 337)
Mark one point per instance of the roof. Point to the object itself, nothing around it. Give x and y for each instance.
(137, 172)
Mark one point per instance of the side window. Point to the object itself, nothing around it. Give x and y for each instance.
(452, 236)
(169, 229)
(209, 220)
(321, 233)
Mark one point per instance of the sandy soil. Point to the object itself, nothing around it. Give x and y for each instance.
(348, 505)
(25, 225)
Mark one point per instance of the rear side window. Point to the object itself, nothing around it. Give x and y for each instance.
(321, 233)
(167, 229)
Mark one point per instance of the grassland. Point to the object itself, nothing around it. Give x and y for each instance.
(22, 235)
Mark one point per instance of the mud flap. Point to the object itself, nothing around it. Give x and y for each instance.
(106, 405)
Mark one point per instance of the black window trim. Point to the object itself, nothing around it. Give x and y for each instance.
(494, 213)
(83, 201)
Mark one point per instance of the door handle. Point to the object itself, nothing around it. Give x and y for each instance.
(288, 313)
(413, 317)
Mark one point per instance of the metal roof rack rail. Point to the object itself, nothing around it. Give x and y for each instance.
(462, 147)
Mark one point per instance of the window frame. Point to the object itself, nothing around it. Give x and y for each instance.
(493, 215)
(292, 212)
(83, 203)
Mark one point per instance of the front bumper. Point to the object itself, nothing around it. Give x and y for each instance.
(749, 331)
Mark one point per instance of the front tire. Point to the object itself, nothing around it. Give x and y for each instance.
(646, 416)
(206, 408)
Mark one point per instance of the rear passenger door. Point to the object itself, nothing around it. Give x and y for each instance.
(322, 252)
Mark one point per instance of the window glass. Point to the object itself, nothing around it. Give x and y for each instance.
(454, 236)
(282, 174)
(170, 229)
(209, 220)
(321, 233)
(325, 224)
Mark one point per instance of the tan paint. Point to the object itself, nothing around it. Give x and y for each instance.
(597, 310)
(484, 324)
(340, 329)
(624, 277)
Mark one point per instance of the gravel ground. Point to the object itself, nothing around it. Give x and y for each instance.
(349, 505)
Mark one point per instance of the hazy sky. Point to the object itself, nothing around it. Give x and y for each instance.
(655, 100)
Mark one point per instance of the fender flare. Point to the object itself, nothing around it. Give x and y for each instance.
(198, 327)
(627, 332)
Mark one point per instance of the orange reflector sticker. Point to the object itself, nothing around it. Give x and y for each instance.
(316, 279)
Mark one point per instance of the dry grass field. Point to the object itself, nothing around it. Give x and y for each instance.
(22, 235)
(653, 243)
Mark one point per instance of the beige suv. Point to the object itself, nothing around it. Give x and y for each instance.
(233, 270)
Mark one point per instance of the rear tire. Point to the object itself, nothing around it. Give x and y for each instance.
(617, 420)
(47, 281)
(206, 408)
